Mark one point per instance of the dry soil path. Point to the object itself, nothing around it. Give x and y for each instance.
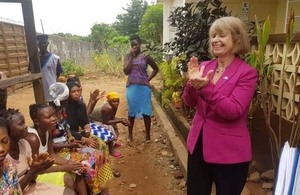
(146, 168)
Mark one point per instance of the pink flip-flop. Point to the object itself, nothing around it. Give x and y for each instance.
(118, 145)
(117, 154)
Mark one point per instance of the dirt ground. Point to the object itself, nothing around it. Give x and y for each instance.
(146, 168)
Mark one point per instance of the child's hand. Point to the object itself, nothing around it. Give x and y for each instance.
(96, 95)
(76, 144)
(100, 158)
(71, 139)
(70, 166)
(125, 122)
(93, 143)
(41, 162)
(133, 51)
(87, 134)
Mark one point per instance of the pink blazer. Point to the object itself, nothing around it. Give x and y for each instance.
(221, 112)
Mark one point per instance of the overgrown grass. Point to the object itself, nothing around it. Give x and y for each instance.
(109, 63)
(70, 68)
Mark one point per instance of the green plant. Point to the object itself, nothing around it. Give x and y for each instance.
(166, 97)
(172, 78)
(265, 87)
(263, 66)
(109, 63)
(192, 23)
(70, 68)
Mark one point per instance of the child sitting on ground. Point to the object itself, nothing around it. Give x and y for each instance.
(28, 167)
(105, 117)
(97, 171)
(9, 178)
(78, 119)
(95, 96)
(40, 140)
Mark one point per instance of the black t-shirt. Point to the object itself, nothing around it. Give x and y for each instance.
(77, 118)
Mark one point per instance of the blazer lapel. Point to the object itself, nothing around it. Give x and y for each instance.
(229, 72)
(211, 65)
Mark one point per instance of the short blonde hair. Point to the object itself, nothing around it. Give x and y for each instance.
(238, 32)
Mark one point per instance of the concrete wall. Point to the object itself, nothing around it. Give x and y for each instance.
(260, 8)
(276, 9)
(79, 51)
(168, 31)
(281, 14)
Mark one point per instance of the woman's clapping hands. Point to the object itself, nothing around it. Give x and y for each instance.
(195, 74)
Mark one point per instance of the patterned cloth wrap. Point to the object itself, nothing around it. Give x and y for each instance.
(9, 184)
(103, 133)
(96, 171)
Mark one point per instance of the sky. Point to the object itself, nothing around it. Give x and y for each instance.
(67, 16)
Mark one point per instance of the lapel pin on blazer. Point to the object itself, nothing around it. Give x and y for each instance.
(225, 78)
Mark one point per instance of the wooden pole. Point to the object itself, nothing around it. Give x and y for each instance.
(34, 60)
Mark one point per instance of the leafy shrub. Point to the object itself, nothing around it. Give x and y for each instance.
(156, 52)
(166, 97)
(192, 23)
(70, 68)
(172, 78)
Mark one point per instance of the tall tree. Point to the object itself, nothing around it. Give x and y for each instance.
(128, 23)
(101, 35)
(152, 24)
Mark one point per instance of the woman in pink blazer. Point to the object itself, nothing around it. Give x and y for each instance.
(219, 146)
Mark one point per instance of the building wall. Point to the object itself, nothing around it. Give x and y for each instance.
(260, 8)
(281, 14)
(296, 6)
(79, 51)
(275, 9)
(169, 6)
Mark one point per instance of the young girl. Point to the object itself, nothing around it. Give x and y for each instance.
(138, 90)
(96, 168)
(8, 171)
(40, 139)
(79, 122)
(20, 152)
(94, 96)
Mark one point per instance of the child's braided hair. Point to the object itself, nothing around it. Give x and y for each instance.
(7, 115)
